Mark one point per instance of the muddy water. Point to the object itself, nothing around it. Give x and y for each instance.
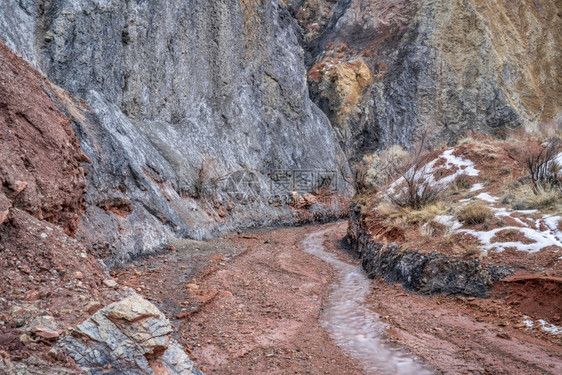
(355, 328)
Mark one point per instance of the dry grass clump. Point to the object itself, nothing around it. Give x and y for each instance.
(543, 198)
(460, 183)
(407, 216)
(475, 213)
(478, 141)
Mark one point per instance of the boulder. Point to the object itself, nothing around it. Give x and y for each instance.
(127, 337)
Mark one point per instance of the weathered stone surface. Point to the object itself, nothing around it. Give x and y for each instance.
(132, 336)
(5, 205)
(45, 333)
(450, 65)
(40, 170)
(184, 95)
(34, 366)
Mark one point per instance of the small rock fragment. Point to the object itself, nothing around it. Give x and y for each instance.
(110, 283)
(93, 307)
(45, 333)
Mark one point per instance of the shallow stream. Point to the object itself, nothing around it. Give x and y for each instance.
(354, 327)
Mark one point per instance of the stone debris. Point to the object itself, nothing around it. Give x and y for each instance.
(110, 283)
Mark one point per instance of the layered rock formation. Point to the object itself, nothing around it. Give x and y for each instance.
(450, 65)
(190, 107)
(128, 337)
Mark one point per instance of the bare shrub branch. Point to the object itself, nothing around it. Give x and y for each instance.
(416, 189)
(542, 165)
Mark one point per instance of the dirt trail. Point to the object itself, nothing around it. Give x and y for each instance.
(251, 304)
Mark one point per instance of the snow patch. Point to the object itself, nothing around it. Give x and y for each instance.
(487, 197)
(544, 325)
(426, 173)
(476, 187)
(448, 221)
(550, 328)
(504, 212)
(552, 222)
(542, 239)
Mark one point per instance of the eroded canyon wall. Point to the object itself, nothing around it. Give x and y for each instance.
(189, 106)
(451, 65)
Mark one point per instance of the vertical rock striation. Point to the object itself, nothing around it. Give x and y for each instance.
(182, 96)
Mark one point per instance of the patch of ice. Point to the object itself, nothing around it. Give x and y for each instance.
(550, 328)
(542, 239)
(476, 187)
(528, 322)
(487, 197)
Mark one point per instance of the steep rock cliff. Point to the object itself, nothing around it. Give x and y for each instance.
(191, 106)
(449, 65)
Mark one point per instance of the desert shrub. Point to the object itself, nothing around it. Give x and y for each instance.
(476, 213)
(542, 165)
(415, 189)
(375, 171)
(385, 166)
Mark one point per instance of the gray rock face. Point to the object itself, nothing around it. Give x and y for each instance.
(451, 66)
(181, 96)
(132, 336)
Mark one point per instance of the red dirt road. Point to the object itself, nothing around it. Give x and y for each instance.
(258, 313)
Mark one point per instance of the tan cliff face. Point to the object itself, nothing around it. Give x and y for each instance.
(343, 85)
(452, 65)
